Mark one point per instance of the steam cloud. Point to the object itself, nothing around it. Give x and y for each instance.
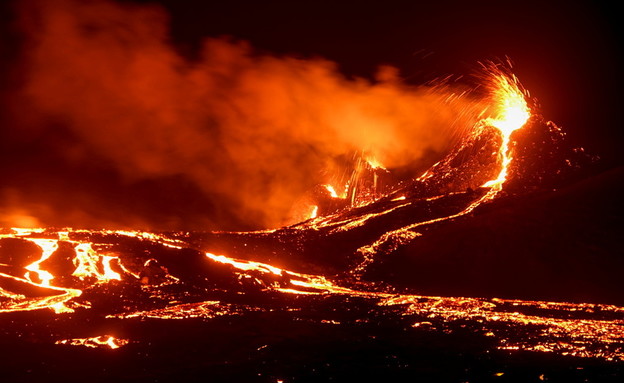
(251, 133)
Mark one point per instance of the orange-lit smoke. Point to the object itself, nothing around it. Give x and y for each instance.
(253, 131)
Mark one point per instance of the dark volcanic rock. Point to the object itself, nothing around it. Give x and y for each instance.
(558, 245)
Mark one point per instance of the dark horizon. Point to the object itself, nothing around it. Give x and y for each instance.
(447, 233)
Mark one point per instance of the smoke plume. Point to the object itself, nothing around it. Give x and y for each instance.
(103, 89)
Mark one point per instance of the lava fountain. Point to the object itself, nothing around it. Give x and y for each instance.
(512, 113)
(312, 272)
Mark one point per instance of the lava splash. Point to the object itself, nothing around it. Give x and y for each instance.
(325, 271)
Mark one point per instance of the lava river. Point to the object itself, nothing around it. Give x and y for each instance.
(265, 299)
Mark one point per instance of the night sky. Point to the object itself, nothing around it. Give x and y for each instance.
(567, 54)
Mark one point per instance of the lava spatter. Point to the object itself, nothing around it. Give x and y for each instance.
(116, 277)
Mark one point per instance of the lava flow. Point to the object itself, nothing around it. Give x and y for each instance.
(115, 277)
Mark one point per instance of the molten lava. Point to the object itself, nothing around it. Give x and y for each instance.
(507, 111)
(180, 276)
(512, 113)
(103, 341)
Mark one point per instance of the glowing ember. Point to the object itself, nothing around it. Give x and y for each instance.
(374, 163)
(245, 265)
(586, 336)
(89, 264)
(512, 113)
(314, 212)
(331, 191)
(512, 109)
(102, 341)
(48, 247)
(206, 310)
(147, 276)
(574, 336)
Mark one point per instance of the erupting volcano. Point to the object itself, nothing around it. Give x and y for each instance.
(329, 274)
(213, 212)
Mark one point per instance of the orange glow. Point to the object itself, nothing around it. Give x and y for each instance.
(314, 212)
(396, 122)
(556, 334)
(109, 273)
(95, 267)
(299, 283)
(331, 190)
(512, 109)
(512, 112)
(87, 261)
(48, 247)
(103, 341)
(17, 302)
(245, 265)
(374, 163)
(89, 266)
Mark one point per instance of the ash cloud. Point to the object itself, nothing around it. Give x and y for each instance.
(245, 134)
